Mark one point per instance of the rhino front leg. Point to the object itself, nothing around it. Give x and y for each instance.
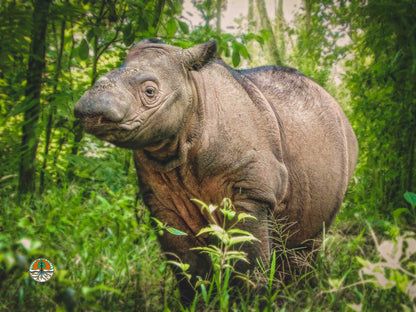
(178, 248)
(259, 228)
(199, 265)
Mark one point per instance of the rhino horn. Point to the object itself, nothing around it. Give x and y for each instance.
(196, 57)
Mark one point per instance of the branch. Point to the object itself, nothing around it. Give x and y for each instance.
(107, 44)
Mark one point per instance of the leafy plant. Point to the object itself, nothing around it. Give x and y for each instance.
(396, 267)
(223, 255)
(272, 292)
(160, 226)
(411, 199)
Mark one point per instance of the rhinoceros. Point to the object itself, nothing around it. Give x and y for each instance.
(268, 138)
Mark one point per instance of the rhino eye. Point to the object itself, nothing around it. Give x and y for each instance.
(150, 91)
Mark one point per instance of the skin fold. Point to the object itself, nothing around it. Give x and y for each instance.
(269, 138)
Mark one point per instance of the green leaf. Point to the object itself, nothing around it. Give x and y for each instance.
(235, 45)
(87, 290)
(175, 231)
(217, 228)
(183, 266)
(241, 239)
(236, 58)
(177, 6)
(244, 52)
(240, 48)
(265, 34)
(402, 280)
(171, 27)
(227, 37)
(398, 212)
(252, 36)
(201, 203)
(243, 215)
(90, 34)
(227, 52)
(230, 214)
(158, 223)
(83, 50)
(24, 105)
(362, 261)
(184, 27)
(104, 201)
(127, 29)
(272, 270)
(205, 230)
(212, 250)
(239, 231)
(410, 198)
(202, 283)
(128, 35)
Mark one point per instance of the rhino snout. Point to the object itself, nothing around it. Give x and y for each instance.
(106, 99)
(105, 104)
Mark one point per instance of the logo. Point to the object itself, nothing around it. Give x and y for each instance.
(41, 270)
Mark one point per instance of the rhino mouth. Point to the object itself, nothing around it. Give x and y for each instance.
(98, 125)
(107, 130)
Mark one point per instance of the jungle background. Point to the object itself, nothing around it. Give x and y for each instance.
(71, 198)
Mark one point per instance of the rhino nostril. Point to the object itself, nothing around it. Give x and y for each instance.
(103, 120)
(82, 112)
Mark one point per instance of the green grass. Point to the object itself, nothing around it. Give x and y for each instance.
(107, 258)
(103, 259)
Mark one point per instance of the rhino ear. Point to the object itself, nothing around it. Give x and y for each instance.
(196, 57)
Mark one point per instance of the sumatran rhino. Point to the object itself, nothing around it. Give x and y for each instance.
(269, 138)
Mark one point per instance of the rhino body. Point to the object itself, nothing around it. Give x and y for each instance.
(270, 139)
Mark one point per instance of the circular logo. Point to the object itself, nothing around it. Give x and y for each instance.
(41, 270)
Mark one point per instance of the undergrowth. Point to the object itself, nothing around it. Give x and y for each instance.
(107, 257)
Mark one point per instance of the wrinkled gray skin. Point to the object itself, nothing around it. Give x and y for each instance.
(269, 138)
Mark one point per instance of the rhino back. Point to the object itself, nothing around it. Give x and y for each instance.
(319, 146)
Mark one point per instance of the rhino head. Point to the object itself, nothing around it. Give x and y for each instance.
(146, 100)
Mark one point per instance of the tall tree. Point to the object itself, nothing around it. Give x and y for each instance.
(112, 22)
(52, 111)
(14, 51)
(381, 79)
(250, 16)
(104, 14)
(314, 50)
(280, 28)
(218, 15)
(36, 63)
(267, 26)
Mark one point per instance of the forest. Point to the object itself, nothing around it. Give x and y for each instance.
(73, 199)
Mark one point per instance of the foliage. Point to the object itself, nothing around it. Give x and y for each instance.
(84, 215)
(315, 49)
(395, 268)
(106, 257)
(381, 79)
(225, 254)
(91, 235)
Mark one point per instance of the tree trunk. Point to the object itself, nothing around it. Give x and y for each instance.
(250, 16)
(218, 17)
(36, 65)
(52, 110)
(307, 5)
(280, 28)
(266, 24)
